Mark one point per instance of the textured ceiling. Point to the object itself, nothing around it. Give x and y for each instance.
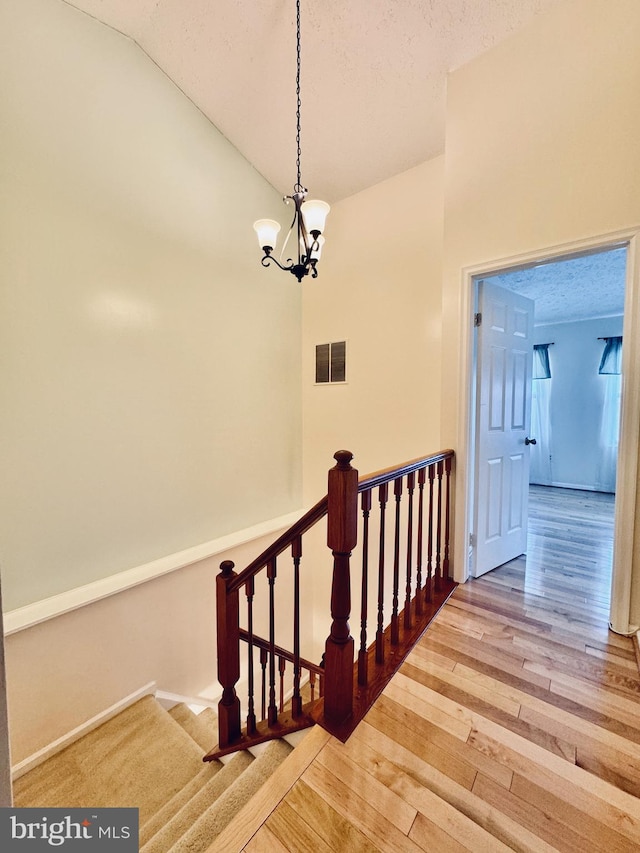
(573, 289)
(373, 75)
(373, 98)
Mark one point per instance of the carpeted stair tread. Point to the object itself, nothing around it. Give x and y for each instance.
(201, 833)
(171, 808)
(203, 799)
(210, 718)
(141, 758)
(198, 726)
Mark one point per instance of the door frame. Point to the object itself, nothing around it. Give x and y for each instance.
(627, 474)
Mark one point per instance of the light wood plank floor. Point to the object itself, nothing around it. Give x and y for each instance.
(514, 724)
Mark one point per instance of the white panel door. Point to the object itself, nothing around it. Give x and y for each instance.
(505, 358)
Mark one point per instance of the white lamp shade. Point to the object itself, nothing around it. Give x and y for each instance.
(315, 214)
(267, 231)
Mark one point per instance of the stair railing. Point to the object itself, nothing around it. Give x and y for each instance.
(409, 593)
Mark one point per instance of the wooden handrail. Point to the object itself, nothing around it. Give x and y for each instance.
(261, 643)
(319, 510)
(423, 486)
(387, 475)
(304, 523)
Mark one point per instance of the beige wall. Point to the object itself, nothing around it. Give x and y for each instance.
(114, 178)
(541, 151)
(66, 670)
(379, 289)
(541, 146)
(150, 383)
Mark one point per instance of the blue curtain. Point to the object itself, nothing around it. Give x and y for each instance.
(610, 370)
(541, 365)
(540, 453)
(611, 361)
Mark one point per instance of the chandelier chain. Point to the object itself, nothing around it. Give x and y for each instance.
(299, 152)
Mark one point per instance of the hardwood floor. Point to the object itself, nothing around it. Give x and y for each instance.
(514, 724)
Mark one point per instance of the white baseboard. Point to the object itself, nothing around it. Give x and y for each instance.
(580, 488)
(168, 700)
(575, 486)
(58, 745)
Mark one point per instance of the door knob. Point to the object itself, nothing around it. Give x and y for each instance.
(530, 440)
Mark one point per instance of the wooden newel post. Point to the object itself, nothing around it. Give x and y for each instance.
(228, 609)
(342, 535)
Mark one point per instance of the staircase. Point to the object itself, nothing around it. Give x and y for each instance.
(402, 585)
(151, 759)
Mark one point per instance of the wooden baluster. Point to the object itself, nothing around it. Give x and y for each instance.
(312, 685)
(429, 596)
(272, 710)
(342, 535)
(445, 562)
(362, 654)
(296, 700)
(228, 642)
(251, 716)
(411, 483)
(422, 476)
(264, 658)
(395, 627)
(282, 667)
(438, 571)
(383, 495)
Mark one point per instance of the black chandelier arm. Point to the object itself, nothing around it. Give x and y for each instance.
(309, 241)
(310, 245)
(302, 268)
(296, 217)
(268, 257)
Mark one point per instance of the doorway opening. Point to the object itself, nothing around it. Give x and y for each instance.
(570, 445)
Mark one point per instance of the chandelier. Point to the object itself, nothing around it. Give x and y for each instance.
(309, 216)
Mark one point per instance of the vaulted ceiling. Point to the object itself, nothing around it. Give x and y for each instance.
(373, 75)
(374, 79)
